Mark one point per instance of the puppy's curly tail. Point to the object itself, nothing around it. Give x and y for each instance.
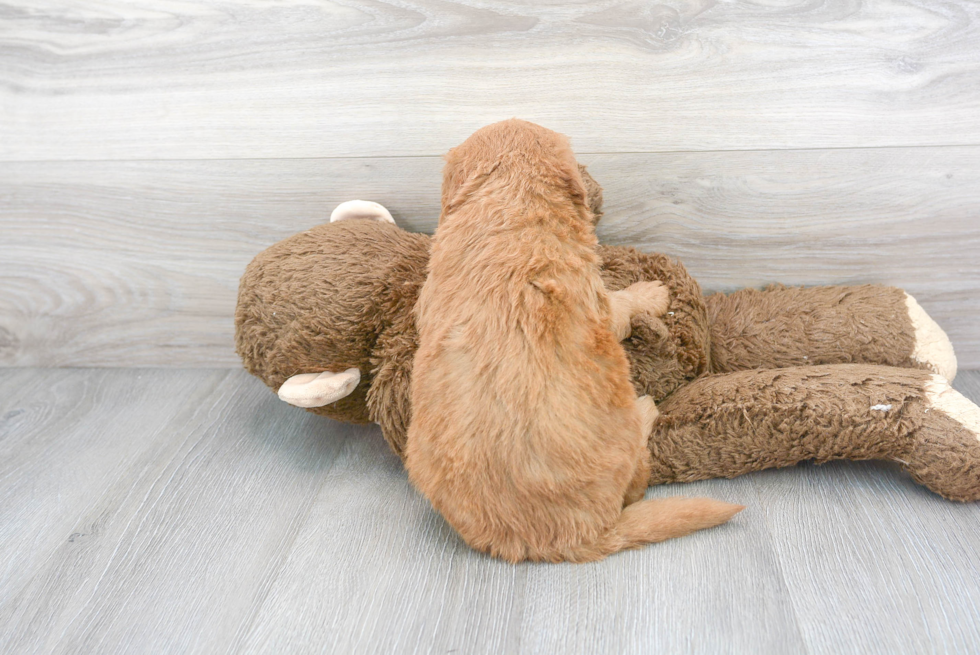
(650, 521)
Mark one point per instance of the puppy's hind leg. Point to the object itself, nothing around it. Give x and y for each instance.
(637, 298)
(648, 414)
(641, 476)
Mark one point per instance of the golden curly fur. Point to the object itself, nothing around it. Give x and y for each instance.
(526, 432)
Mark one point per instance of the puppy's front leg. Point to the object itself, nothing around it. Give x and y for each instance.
(637, 298)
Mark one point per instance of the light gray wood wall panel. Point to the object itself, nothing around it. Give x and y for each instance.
(903, 217)
(315, 78)
(137, 263)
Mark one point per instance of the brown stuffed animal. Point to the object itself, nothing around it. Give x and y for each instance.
(743, 382)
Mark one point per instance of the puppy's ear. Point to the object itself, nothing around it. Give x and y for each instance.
(453, 177)
(576, 185)
(572, 178)
(460, 178)
(593, 193)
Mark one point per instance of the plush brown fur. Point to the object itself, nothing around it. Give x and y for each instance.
(727, 425)
(776, 327)
(310, 303)
(341, 294)
(321, 300)
(526, 433)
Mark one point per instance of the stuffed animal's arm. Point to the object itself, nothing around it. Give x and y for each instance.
(793, 326)
(734, 423)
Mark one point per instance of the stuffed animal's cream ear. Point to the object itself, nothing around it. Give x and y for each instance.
(361, 209)
(319, 389)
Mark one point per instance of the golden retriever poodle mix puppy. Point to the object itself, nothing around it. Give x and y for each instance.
(526, 433)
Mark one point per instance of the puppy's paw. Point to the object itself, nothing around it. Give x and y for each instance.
(649, 297)
(651, 330)
(648, 413)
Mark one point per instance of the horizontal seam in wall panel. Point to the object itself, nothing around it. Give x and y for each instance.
(439, 156)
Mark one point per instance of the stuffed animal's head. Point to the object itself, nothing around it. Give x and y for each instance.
(323, 311)
(317, 302)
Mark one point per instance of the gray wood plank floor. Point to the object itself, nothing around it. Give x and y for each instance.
(190, 511)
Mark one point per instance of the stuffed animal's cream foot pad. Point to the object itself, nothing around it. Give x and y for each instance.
(319, 389)
(932, 347)
(945, 454)
(953, 404)
(361, 209)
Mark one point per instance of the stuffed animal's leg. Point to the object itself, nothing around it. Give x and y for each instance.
(638, 298)
(787, 326)
(735, 423)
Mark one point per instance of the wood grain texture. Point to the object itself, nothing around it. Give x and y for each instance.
(410, 585)
(65, 437)
(173, 551)
(873, 562)
(904, 217)
(315, 78)
(860, 545)
(864, 549)
(137, 263)
(192, 512)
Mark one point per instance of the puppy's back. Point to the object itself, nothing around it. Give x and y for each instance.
(525, 431)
